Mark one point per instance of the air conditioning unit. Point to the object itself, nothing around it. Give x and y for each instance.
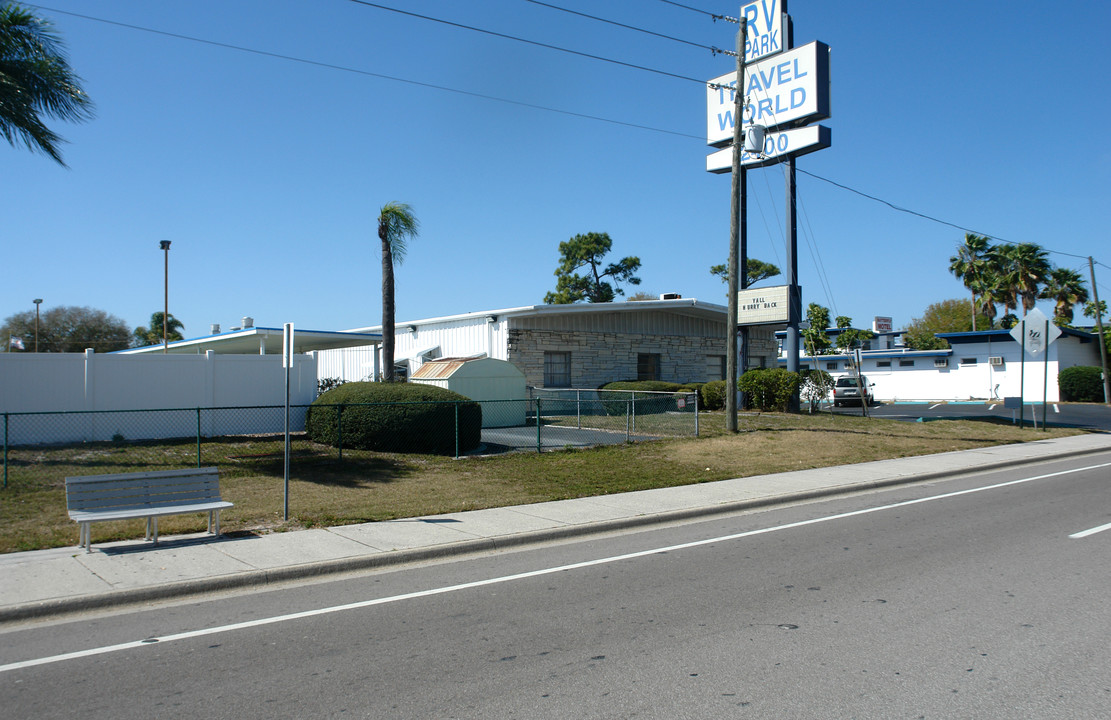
(941, 362)
(996, 361)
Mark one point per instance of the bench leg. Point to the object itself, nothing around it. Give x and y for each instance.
(155, 522)
(84, 537)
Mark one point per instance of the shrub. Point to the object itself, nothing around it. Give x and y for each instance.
(769, 389)
(816, 386)
(712, 395)
(395, 417)
(617, 403)
(1083, 383)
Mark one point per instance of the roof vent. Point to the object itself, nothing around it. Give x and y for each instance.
(248, 322)
(670, 296)
(215, 329)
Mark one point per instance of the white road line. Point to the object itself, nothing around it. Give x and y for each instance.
(1056, 409)
(935, 406)
(519, 576)
(1091, 531)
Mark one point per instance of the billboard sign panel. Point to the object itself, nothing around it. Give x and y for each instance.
(882, 325)
(764, 27)
(763, 306)
(777, 146)
(788, 90)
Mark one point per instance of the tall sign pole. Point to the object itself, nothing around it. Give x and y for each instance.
(287, 364)
(737, 229)
(794, 303)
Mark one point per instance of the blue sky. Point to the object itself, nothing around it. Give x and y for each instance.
(267, 174)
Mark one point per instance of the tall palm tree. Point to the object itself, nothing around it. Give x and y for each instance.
(970, 265)
(396, 225)
(1029, 266)
(153, 335)
(1065, 287)
(36, 80)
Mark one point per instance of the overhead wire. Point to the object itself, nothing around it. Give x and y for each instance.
(713, 49)
(536, 43)
(508, 101)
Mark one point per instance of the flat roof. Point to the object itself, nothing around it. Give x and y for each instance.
(261, 341)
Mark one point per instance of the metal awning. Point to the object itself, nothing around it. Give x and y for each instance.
(262, 341)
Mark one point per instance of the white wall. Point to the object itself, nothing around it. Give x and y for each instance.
(979, 381)
(53, 382)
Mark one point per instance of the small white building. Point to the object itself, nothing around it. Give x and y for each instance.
(983, 365)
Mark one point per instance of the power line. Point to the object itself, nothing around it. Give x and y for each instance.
(529, 42)
(367, 73)
(711, 48)
(715, 16)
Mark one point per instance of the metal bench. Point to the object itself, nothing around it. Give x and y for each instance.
(94, 498)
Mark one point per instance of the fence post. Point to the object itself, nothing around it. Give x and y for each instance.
(457, 430)
(627, 416)
(537, 424)
(198, 437)
(5, 450)
(339, 430)
(579, 408)
(696, 414)
(633, 395)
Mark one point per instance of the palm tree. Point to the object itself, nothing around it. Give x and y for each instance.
(153, 335)
(1026, 269)
(970, 264)
(35, 80)
(1066, 288)
(396, 225)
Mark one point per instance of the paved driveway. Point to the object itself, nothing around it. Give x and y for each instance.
(1084, 415)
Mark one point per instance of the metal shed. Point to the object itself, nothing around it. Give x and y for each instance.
(498, 384)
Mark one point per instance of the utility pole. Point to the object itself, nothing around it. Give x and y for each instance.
(1099, 329)
(165, 245)
(738, 237)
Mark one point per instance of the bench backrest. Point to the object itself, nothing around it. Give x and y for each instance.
(162, 488)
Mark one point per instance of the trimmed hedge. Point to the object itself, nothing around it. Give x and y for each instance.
(395, 417)
(769, 389)
(712, 395)
(1082, 383)
(617, 404)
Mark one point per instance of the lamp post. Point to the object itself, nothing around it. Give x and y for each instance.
(37, 301)
(165, 245)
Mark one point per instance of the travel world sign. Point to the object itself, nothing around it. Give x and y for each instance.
(788, 90)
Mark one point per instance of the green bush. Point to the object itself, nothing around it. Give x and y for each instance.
(816, 386)
(617, 403)
(769, 389)
(712, 395)
(395, 417)
(1083, 383)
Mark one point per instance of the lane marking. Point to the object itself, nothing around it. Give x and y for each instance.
(1056, 409)
(161, 639)
(1090, 531)
(935, 406)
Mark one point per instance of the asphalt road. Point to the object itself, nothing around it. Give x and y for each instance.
(963, 598)
(1081, 415)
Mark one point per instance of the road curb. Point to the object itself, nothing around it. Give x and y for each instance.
(276, 576)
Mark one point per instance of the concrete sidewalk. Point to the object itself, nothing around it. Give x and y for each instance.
(51, 582)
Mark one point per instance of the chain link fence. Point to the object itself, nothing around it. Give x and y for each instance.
(46, 447)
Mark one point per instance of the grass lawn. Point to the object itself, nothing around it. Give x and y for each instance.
(366, 486)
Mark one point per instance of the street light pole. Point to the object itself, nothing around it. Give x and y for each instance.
(37, 301)
(165, 245)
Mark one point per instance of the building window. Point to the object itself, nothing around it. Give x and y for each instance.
(557, 369)
(906, 363)
(831, 366)
(715, 367)
(883, 363)
(968, 361)
(648, 366)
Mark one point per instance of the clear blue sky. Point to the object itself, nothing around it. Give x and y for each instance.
(267, 174)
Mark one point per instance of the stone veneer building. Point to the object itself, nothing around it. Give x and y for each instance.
(572, 346)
